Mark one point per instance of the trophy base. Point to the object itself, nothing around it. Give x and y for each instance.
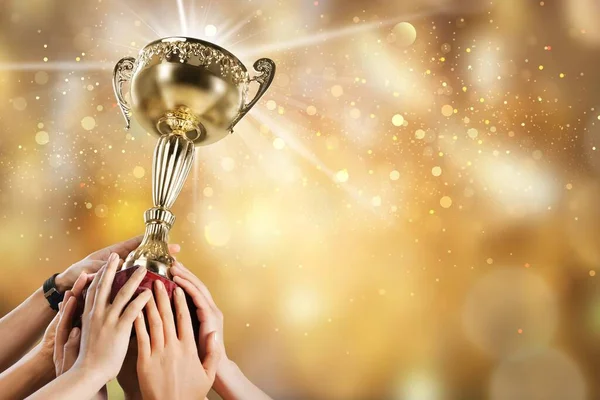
(123, 276)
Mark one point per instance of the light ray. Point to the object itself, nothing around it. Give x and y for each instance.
(334, 34)
(206, 11)
(57, 66)
(182, 20)
(119, 44)
(233, 30)
(296, 145)
(140, 18)
(247, 37)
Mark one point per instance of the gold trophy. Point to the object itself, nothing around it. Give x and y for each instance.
(188, 92)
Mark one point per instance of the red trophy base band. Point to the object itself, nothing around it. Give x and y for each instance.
(123, 276)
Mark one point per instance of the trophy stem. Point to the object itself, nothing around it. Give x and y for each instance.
(173, 159)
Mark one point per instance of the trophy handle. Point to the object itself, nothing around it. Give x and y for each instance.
(266, 67)
(122, 73)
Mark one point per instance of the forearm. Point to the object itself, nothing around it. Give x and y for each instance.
(26, 376)
(22, 327)
(75, 384)
(232, 384)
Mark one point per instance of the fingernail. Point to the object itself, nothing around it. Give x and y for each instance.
(216, 337)
(179, 291)
(140, 315)
(112, 257)
(159, 285)
(74, 333)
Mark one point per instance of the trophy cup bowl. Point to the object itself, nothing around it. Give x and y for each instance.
(187, 92)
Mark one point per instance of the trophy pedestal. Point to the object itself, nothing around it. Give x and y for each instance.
(123, 276)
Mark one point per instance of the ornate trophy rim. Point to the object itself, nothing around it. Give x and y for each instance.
(185, 48)
(186, 39)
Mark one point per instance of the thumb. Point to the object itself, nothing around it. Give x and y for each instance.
(71, 349)
(214, 352)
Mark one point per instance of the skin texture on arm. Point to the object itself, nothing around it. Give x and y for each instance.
(32, 372)
(35, 369)
(230, 382)
(104, 337)
(168, 363)
(22, 327)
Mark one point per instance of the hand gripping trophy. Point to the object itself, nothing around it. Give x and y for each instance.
(188, 92)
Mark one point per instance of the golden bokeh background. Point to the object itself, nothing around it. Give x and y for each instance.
(411, 212)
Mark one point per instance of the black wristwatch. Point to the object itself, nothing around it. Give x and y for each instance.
(51, 293)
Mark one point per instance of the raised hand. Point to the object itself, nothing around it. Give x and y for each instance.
(108, 326)
(127, 378)
(168, 363)
(104, 338)
(67, 338)
(230, 382)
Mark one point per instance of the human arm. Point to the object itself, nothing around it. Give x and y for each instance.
(230, 382)
(22, 327)
(30, 373)
(67, 342)
(104, 326)
(36, 368)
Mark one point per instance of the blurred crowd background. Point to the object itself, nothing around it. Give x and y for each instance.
(411, 212)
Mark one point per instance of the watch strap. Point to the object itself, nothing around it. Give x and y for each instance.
(51, 293)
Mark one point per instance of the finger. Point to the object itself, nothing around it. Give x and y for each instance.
(128, 290)
(134, 308)
(157, 337)
(213, 355)
(79, 284)
(71, 349)
(122, 249)
(106, 280)
(184, 321)
(62, 329)
(67, 296)
(174, 249)
(165, 311)
(180, 270)
(203, 307)
(143, 339)
(91, 293)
